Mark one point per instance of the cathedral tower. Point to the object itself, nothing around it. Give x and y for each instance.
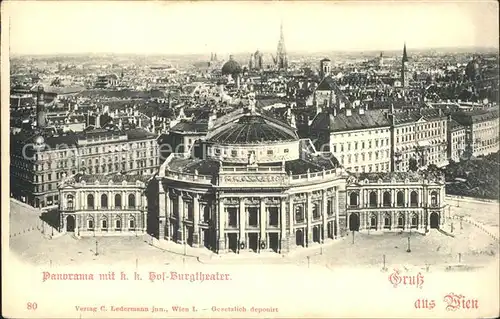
(404, 68)
(281, 59)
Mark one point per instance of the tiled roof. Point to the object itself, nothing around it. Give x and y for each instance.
(139, 134)
(204, 167)
(476, 116)
(415, 115)
(455, 126)
(356, 121)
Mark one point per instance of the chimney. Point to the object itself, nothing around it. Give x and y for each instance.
(41, 118)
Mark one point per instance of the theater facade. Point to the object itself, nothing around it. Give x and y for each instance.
(251, 185)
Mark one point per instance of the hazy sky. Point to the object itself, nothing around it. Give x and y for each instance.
(223, 27)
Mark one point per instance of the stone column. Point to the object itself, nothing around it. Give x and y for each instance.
(309, 238)
(221, 216)
(168, 232)
(161, 211)
(196, 221)
(407, 198)
(263, 221)
(242, 222)
(336, 207)
(180, 220)
(283, 224)
(324, 215)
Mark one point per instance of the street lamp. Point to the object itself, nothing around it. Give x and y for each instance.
(96, 252)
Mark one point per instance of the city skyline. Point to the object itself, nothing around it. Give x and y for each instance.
(225, 28)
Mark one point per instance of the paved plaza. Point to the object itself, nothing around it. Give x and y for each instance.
(467, 244)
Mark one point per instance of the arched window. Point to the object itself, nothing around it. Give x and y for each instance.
(401, 220)
(131, 224)
(400, 199)
(387, 220)
(104, 224)
(373, 221)
(414, 199)
(104, 201)
(414, 220)
(90, 201)
(353, 199)
(373, 199)
(118, 200)
(434, 199)
(387, 199)
(69, 202)
(90, 224)
(118, 224)
(131, 200)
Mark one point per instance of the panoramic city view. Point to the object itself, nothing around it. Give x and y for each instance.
(264, 146)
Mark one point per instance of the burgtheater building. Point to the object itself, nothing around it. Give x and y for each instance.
(256, 186)
(253, 185)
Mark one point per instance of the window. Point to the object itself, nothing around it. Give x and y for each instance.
(315, 212)
(400, 199)
(104, 201)
(131, 224)
(131, 200)
(234, 153)
(273, 216)
(401, 221)
(353, 199)
(269, 152)
(118, 200)
(329, 208)
(118, 224)
(206, 214)
(414, 199)
(414, 221)
(299, 214)
(285, 150)
(373, 199)
(104, 224)
(253, 216)
(69, 202)
(387, 221)
(387, 199)
(90, 224)
(434, 199)
(90, 201)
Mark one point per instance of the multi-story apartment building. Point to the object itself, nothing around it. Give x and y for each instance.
(481, 130)
(456, 140)
(419, 136)
(359, 139)
(40, 161)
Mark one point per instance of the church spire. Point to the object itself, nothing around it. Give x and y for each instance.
(281, 58)
(405, 56)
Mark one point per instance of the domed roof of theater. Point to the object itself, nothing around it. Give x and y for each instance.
(231, 67)
(252, 129)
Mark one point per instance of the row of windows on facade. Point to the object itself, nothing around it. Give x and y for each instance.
(361, 144)
(356, 156)
(104, 224)
(387, 199)
(419, 136)
(96, 150)
(370, 168)
(409, 129)
(104, 201)
(234, 153)
(401, 220)
(362, 134)
(253, 214)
